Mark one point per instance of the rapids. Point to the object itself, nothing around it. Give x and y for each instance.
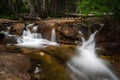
(35, 40)
(86, 65)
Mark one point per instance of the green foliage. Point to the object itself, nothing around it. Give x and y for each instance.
(97, 6)
(25, 6)
(56, 8)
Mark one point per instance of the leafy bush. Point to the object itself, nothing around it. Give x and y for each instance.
(97, 7)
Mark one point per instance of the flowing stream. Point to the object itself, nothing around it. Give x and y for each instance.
(85, 65)
(35, 40)
(53, 36)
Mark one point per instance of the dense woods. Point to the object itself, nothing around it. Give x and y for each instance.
(56, 8)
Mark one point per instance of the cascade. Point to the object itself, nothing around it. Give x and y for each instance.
(35, 28)
(53, 35)
(33, 40)
(86, 65)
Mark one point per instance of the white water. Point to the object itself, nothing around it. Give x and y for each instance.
(7, 34)
(33, 40)
(53, 35)
(85, 65)
(35, 28)
(37, 70)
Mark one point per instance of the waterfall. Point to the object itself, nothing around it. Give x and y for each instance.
(53, 35)
(35, 28)
(85, 65)
(33, 40)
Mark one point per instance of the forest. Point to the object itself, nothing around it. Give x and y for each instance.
(57, 8)
(60, 40)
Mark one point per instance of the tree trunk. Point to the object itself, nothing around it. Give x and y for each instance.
(32, 10)
(10, 2)
(54, 5)
(55, 9)
(47, 7)
(39, 6)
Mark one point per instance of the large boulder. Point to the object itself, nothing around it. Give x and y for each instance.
(61, 26)
(69, 33)
(9, 40)
(5, 23)
(3, 48)
(62, 53)
(46, 65)
(44, 29)
(17, 28)
(8, 76)
(108, 37)
(14, 66)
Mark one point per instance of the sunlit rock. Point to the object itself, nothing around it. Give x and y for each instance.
(48, 65)
(62, 53)
(69, 32)
(17, 28)
(12, 49)
(44, 29)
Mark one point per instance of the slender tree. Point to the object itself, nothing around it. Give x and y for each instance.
(32, 10)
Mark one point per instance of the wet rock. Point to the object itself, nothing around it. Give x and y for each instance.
(13, 49)
(62, 53)
(17, 28)
(69, 30)
(4, 26)
(108, 37)
(108, 41)
(1, 27)
(113, 60)
(44, 29)
(14, 66)
(96, 27)
(69, 33)
(93, 20)
(7, 21)
(2, 48)
(2, 36)
(9, 40)
(33, 28)
(48, 65)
